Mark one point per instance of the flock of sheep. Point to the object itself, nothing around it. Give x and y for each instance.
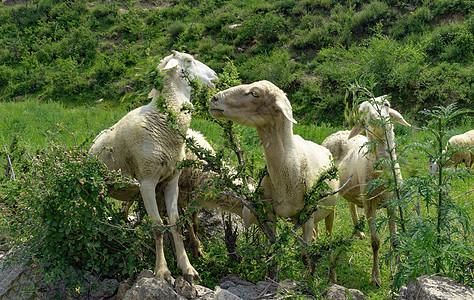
(143, 146)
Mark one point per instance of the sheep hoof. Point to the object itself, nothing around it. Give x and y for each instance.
(164, 273)
(377, 282)
(191, 278)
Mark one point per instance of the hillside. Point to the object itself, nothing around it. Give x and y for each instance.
(77, 52)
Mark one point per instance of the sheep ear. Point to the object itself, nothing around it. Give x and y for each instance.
(171, 64)
(397, 117)
(282, 104)
(355, 130)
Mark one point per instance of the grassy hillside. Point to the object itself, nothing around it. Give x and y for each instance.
(77, 52)
(78, 66)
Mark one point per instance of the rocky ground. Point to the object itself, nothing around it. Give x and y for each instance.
(20, 281)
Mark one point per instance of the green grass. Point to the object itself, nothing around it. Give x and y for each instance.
(31, 119)
(35, 122)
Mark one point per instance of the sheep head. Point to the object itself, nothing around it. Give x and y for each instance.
(375, 110)
(253, 105)
(182, 62)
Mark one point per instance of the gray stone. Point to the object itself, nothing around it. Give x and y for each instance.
(435, 288)
(184, 288)
(337, 292)
(236, 280)
(15, 279)
(152, 288)
(103, 289)
(122, 288)
(288, 285)
(221, 294)
(227, 284)
(145, 274)
(202, 290)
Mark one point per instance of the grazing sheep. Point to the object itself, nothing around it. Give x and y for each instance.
(293, 163)
(356, 157)
(190, 180)
(465, 157)
(143, 146)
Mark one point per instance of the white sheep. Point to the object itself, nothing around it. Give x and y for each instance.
(143, 145)
(293, 163)
(356, 156)
(465, 156)
(190, 181)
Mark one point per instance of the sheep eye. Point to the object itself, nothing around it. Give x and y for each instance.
(254, 94)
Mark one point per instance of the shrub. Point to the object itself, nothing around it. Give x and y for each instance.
(371, 14)
(416, 22)
(275, 67)
(261, 31)
(450, 42)
(58, 212)
(176, 28)
(80, 44)
(438, 236)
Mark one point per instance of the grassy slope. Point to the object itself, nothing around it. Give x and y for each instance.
(81, 51)
(129, 34)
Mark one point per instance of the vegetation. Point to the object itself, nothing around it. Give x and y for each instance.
(77, 52)
(69, 69)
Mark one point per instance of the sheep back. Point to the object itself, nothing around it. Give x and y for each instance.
(465, 156)
(131, 144)
(339, 144)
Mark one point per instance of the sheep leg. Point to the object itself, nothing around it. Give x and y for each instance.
(194, 242)
(147, 189)
(309, 228)
(329, 222)
(355, 219)
(370, 209)
(171, 199)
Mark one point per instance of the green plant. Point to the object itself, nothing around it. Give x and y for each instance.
(58, 212)
(438, 238)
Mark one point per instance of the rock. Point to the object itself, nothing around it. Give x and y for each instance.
(227, 284)
(337, 292)
(14, 278)
(184, 288)
(220, 294)
(289, 284)
(122, 288)
(103, 289)
(152, 288)
(202, 290)
(435, 288)
(145, 274)
(236, 280)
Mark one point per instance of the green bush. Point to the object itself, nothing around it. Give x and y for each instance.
(416, 22)
(261, 31)
(274, 66)
(57, 209)
(450, 42)
(369, 16)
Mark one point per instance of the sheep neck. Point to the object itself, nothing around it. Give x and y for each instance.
(176, 91)
(281, 154)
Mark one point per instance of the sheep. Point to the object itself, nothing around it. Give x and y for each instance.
(465, 156)
(293, 163)
(143, 146)
(355, 157)
(190, 180)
